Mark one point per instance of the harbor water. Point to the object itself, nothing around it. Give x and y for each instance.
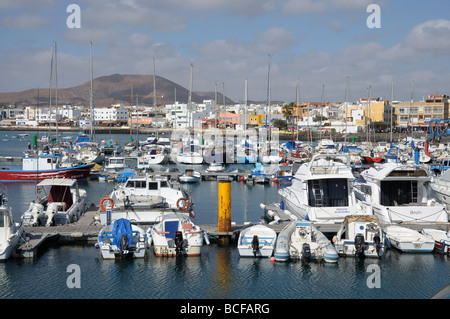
(219, 273)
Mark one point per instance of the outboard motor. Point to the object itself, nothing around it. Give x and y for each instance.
(179, 243)
(255, 245)
(123, 245)
(377, 241)
(306, 251)
(359, 245)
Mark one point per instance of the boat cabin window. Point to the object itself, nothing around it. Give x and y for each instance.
(164, 184)
(136, 184)
(394, 193)
(328, 192)
(153, 185)
(2, 219)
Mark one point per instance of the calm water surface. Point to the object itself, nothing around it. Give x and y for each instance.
(219, 273)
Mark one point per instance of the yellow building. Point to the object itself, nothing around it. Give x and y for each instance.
(416, 114)
(257, 119)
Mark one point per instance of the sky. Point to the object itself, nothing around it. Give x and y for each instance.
(315, 49)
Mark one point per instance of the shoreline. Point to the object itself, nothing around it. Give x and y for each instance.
(302, 135)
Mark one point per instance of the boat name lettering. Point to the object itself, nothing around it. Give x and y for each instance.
(415, 212)
(341, 210)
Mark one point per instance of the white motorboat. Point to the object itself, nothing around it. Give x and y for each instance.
(407, 240)
(11, 233)
(321, 190)
(215, 167)
(397, 193)
(149, 191)
(441, 239)
(308, 243)
(256, 241)
(153, 156)
(58, 201)
(175, 235)
(281, 251)
(116, 163)
(190, 176)
(360, 236)
(121, 239)
(441, 188)
(190, 157)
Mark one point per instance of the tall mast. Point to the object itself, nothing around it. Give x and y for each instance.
(56, 94)
(91, 95)
(154, 85)
(346, 109)
(392, 106)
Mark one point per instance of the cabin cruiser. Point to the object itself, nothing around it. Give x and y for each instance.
(121, 239)
(59, 201)
(116, 163)
(441, 187)
(321, 190)
(11, 233)
(397, 193)
(147, 191)
(175, 235)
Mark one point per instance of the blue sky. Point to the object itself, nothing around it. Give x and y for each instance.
(319, 42)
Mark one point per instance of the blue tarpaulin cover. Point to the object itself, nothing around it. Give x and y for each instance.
(122, 226)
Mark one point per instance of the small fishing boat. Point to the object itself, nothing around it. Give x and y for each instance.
(441, 239)
(175, 235)
(407, 240)
(121, 240)
(190, 176)
(308, 243)
(11, 233)
(256, 241)
(40, 167)
(58, 201)
(360, 236)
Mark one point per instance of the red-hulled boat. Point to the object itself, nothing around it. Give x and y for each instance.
(38, 168)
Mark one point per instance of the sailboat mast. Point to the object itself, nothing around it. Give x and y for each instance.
(91, 95)
(392, 106)
(154, 84)
(56, 94)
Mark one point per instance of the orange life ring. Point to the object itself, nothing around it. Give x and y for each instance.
(105, 199)
(380, 154)
(281, 154)
(430, 154)
(183, 207)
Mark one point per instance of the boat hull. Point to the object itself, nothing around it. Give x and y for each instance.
(78, 172)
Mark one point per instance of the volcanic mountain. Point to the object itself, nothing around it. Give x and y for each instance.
(112, 89)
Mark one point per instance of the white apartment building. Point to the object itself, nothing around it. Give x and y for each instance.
(117, 113)
(182, 116)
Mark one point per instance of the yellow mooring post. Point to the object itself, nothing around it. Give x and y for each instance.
(224, 199)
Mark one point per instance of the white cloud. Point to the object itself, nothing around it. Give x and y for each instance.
(24, 21)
